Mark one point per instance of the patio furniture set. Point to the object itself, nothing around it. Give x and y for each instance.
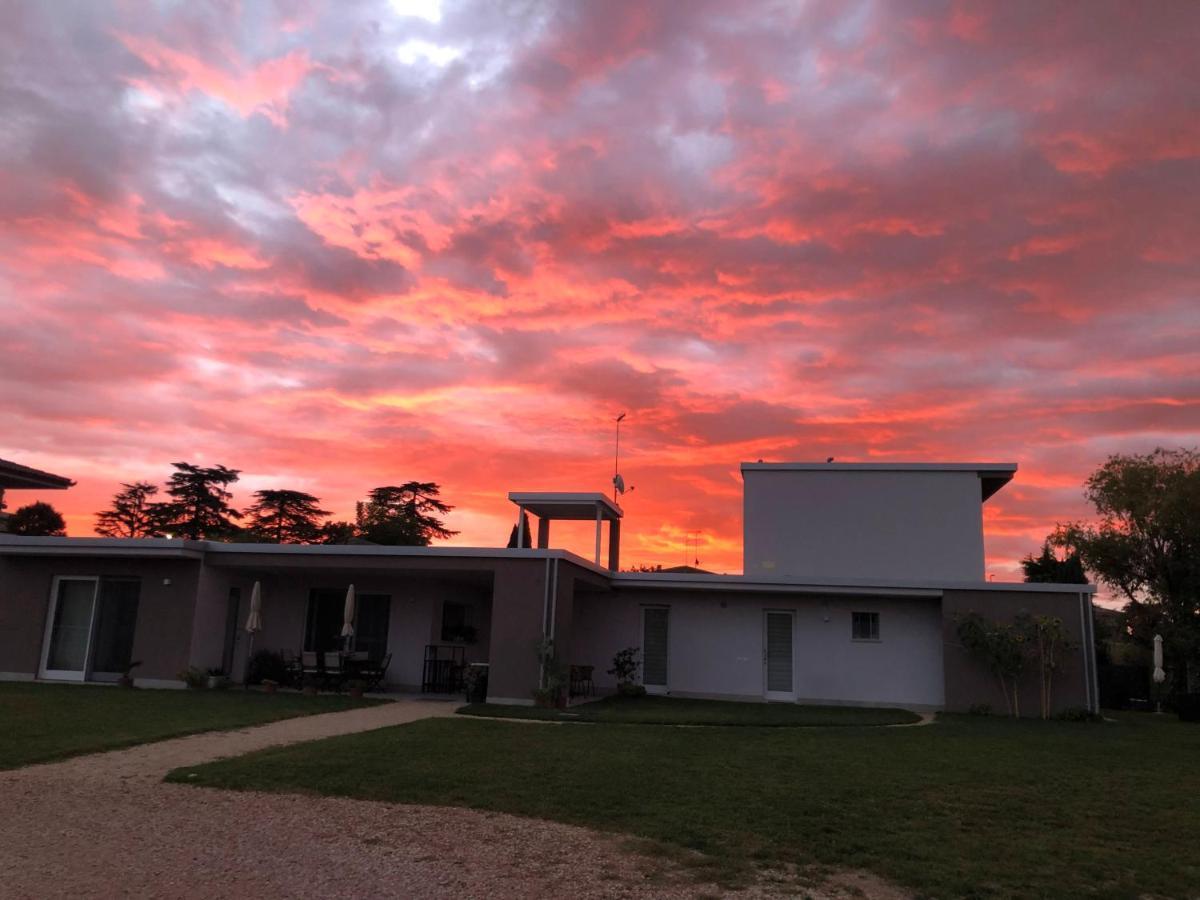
(334, 669)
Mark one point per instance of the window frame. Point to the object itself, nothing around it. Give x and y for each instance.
(873, 630)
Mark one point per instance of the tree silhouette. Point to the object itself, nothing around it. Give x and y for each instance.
(286, 517)
(37, 520)
(1147, 542)
(527, 539)
(132, 514)
(403, 515)
(338, 533)
(1048, 568)
(199, 507)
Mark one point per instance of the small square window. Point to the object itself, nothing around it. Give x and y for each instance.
(864, 626)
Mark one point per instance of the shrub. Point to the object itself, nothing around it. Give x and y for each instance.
(1187, 707)
(629, 689)
(625, 665)
(193, 677)
(266, 665)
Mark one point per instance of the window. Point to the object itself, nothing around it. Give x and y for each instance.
(864, 626)
(323, 626)
(371, 625)
(455, 626)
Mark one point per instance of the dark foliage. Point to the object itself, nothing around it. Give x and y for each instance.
(37, 520)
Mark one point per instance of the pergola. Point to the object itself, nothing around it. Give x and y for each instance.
(18, 477)
(579, 507)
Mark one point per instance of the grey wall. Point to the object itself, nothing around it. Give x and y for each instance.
(716, 644)
(162, 638)
(969, 683)
(848, 524)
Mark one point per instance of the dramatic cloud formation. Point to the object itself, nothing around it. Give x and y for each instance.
(342, 245)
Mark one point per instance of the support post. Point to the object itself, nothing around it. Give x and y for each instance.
(543, 541)
(599, 511)
(614, 545)
(520, 527)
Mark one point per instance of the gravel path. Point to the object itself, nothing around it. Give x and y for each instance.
(107, 826)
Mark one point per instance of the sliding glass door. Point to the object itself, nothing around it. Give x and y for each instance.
(90, 628)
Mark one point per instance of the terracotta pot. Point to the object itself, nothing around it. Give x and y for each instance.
(356, 692)
(270, 688)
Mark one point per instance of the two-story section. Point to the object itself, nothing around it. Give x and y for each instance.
(899, 521)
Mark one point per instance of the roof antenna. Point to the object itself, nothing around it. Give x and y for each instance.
(618, 481)
(829, 460)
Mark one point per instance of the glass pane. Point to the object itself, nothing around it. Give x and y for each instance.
(323, 630)
(654, 647)
(115, 624)
(72, 626)
(370, 632)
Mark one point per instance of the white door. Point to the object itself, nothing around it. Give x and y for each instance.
(655, 661)
(777, 656)
(67, 645)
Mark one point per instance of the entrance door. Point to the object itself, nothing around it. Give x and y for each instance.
(89, 629)
(777, 656)
(655, 658)
(233, 604)
(69, 629)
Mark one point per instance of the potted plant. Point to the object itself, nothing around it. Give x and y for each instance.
(625, 668)
(270, 686)
(216, 679)
(475, 681)
(356, 686)
(126, 680)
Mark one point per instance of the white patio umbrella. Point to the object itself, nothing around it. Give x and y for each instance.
(253, 623)
(1159, 675)
(348, 617)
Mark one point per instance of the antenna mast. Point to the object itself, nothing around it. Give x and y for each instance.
(618, 487)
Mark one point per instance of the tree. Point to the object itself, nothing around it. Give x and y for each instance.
(1048, 568)
(338, 532)
(1000, 648)
(286, 517)
(527, 539)
(404, 515)
(200, 506)
(1146, 544)
(37, 520)
(133, 514)
(1046, 637)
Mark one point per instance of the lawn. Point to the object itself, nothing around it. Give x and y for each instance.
(673, 711)
(966, 807)
(40, 722)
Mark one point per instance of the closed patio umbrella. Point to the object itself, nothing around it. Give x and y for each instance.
(348, 617)
(253, 626)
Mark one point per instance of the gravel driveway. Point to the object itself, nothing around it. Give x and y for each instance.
(107, 826)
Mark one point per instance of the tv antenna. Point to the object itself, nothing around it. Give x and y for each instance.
(618, 481)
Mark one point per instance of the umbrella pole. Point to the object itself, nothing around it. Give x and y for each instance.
(246, 673)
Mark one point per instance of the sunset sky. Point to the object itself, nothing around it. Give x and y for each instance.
(344, 245)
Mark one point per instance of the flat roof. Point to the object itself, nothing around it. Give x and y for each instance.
(17, 545)
(992, 476)
(15, 475)
(566, 504)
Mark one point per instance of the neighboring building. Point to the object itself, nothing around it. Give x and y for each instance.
(859, 606)
(14, 476)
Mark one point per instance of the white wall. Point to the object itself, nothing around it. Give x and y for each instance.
(717, 650)
(863, 524)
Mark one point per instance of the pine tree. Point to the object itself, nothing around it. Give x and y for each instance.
(403, 515)
(286, 517)
(199, 507)
(133, 514)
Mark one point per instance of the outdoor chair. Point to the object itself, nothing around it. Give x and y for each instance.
(581, 681)
(293, 668)
(374, 671)
(310, 668)
(334, 673)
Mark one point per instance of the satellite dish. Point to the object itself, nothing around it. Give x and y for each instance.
(619, 483)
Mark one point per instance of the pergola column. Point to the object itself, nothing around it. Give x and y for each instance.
(543, 540)
(614, 544)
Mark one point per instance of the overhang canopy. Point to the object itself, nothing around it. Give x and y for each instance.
(992, 476)
(577, 506)
(16, 476)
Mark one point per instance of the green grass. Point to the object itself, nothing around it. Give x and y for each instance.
(674, 711)
(968, 807)
(42, 722)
